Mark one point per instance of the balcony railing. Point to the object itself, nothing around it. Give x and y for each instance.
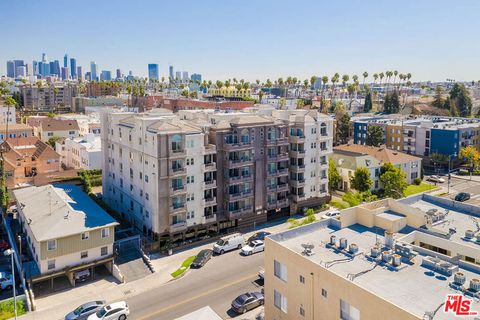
(240, 194)
(178, 171)
(208, 184)
(241, 210)
(176, 208)
(209, 201)
(210, 166)
(240, 178)
(297, 153)
(297, 139)
(209, 219)
(179, 226)
(178, 189)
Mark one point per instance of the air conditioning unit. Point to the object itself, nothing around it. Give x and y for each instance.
(459, 278)
(474, 285)
(397, 260)
(469, 234)
(353, 248)
(375, 252)
(386, 256)
(343, 243)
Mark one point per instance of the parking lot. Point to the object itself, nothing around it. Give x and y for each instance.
(463, 185)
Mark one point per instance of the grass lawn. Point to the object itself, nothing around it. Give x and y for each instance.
(413, 189)
(339, 204)
(6, 309)
(185, 265)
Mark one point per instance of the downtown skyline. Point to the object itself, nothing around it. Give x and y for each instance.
(232, 42)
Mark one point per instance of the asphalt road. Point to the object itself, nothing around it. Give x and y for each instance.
(220, 281)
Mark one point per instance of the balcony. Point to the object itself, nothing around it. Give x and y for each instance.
(240, 195)
(297, 183)
(297, 139)
(277, 142)
(175, 153)
(248, 209)
(282, 156)
(298, 197)
(298, 168)
(282, 187)
(177, 227)
(210, 149)
(237, 179)
(177, 208)
(239, 162)
(237, 146)
(297, 153)
(209, 184)
(211, 201)
(211, 166)
(178, 171)
(278, 204)
(282, 171)
(209, 219)
(178, 190)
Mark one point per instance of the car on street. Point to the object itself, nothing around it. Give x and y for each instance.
(6, 281)
(113, 311)
(259, 236)
(331, 214)
(85, 310)
(228, 243)
(202, 258)
(462, 196)
(436, 179)
(253, 247)
(247, 301)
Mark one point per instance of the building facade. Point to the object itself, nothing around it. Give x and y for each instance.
(81, 153)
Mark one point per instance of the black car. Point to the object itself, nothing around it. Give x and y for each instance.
(247, 302)
(202, 258)
(462, 196)
(259, 236)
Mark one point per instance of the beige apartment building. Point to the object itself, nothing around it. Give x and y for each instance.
(390, 259)
(46, 128)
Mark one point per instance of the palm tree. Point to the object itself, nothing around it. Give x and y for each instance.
(395, 73)
(375, 78)
(334, 80)
(257, 81)
(365, 75)
(345, 79)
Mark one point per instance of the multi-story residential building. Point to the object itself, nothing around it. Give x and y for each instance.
(84, 121)
(81, 153)
(423, 136)
(96, 89)
(65, 231)
(390, 259)
(47, 128)
(175, 104)
(7, 114)
(15, 131)
(25, 158)
(48, 98)
(350, 157)
(159, 172)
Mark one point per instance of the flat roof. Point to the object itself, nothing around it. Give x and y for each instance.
(53, 212)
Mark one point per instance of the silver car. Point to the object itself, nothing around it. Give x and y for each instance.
(86, 309)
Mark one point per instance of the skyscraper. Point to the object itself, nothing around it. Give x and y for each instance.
(195, 77)
(88, 76)
(73, 68)
(65, 73)
(54, 69)
(65, 61)
(106, 75)
(153, 71)
(44, 57)
(35, 68)
(178, 76)
(93, 71)
(79, 73)
(170, 74)
(10, 69)
(21, 71)
(119, 74)
(185, 76)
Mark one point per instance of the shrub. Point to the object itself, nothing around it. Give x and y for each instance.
(417, 181)
(353, 199)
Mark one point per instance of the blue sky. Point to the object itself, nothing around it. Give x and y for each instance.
(432, 39)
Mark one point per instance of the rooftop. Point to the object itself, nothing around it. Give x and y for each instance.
(59, 211)
(382, 154)
(49, 124)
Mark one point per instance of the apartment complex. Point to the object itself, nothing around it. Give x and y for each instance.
(7, 114)
(401, 256)
(46, 128)
(81, 153)
(65, 231)
(247, 167)
(14, 130)
(423, 135)
(49, 97)
(349, 157)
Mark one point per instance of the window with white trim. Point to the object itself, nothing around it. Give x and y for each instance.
(348, 312)
(52, 245)
(280, 270)
(105, 233)
(85, 235)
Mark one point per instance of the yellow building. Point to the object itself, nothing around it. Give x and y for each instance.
(380, 261)
(394, 137)
(230, 92)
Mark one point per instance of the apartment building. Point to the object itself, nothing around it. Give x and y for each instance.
(160, 173)
(49, 97)
(390, 259)
(349, 157)
(7, 114)
(65, 231)
(46, 128)
(81, 153)
(424, 135)
(14, 130)
(86, 123)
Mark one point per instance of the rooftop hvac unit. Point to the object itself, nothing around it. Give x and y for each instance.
(478, 237)
(405, 251)
(439, 265)
(397, 260)
(375, 252)
(386, 256)
(388, 239)
(469, 234)
(459, 278)
(474, 285)
(332, 240)
(353, 248)
(343, 243)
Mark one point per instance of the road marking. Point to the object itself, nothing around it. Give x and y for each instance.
(197, 297)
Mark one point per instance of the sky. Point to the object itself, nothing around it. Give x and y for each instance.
(432, 39)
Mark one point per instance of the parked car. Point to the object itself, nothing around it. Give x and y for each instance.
(247, 302)
(259, 236)
(85, 310)
(462, 196)
(6, 281)
(202, 258)
(261, 274)
(114, 311)
(436, 179)
(228, 243)
(82, 276)
(331, 214)
(253, 247)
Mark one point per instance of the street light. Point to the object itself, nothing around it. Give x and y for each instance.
(11, 253)
(449, 168)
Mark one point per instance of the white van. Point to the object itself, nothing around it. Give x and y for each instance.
(228, 243)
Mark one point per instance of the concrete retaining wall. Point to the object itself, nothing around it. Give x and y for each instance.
(117, 274)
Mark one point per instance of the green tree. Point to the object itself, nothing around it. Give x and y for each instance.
(393, 180)
(450, 105)
(374, 136)
(367, 107)
(438, 102)
(461, 97)
(361, 180)
(333, 175)
(52, 140)
(343, 128)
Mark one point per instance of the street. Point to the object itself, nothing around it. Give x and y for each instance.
(463, 185)
(220, 281)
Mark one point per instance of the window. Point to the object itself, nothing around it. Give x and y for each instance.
(147, 196)
(83, 254)
(414, 175)
(50, 134)
(348, 312)
(190, 179)
(302, 279)
(85, 235)
(105, 233)
(280, 301)
(280, 270)
(51, 264)
(324, 293)
(71, 132)
(302, 311)
(52, 245)
(146, 178)
(103, 251)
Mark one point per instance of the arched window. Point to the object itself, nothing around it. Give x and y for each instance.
(244, 136)
(323, 129)
(176, 143)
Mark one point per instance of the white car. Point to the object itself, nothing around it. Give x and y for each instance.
(331, 214)
(114, 311)
(253, 247)
(6, 281)
(437, 179)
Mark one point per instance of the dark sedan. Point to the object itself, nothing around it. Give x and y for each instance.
(85, 310)
(462, 196)
(247, 302)
(202, 258)
(259, 236)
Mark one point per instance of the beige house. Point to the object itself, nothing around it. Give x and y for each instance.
(46, 128)
(65, 230)
(390, 259)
